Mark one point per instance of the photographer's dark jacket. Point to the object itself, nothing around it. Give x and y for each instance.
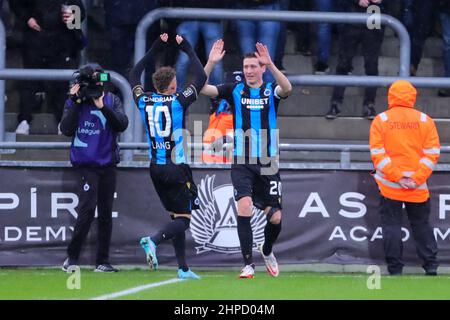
(94, 131)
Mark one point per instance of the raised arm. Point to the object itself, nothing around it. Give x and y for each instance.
(215, 55)
(136, 71)
(199, 74)
(285, 87)
(114, 114)
(72, 108)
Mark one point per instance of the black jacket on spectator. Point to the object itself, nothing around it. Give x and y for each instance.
(126, 12)
(444, 6)
(54, 38)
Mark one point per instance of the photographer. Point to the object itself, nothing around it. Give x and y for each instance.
(93, 118)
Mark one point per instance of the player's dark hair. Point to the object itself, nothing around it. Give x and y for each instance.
(251, 55)
(162, 78)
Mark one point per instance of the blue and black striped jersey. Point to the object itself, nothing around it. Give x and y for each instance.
(255, 118)
(163, 117)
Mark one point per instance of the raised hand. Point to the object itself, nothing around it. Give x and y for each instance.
(179, 39)
(32, 23)
(364, 3)
(216, 54)
(262, 53)
(164, 37)
(99, 101)
(74, 89)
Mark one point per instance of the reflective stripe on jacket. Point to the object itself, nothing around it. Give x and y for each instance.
(404, 142)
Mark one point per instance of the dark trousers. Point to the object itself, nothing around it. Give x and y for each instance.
(418, 17)
(56, 91)
(96, 189)
(349, 38)
(391, 222)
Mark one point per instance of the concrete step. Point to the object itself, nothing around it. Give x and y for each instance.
(390, 47)
(36, 154)
(315, 101)
(356, 91)
(387, 66)
(434, 48)
(430, 65)
(42, 138)
(318, 104)
(43, 123)
(305, 105)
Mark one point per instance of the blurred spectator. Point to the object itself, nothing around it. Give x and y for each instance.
(122, 18)
(219, 135)
(262, 31)
(48, 43)
(323, 32)
(303, 34)
(349, 39)
(323, 37)
(444, 9)
(418, 18)
(282, 38)
(192, 30)
(407, 17)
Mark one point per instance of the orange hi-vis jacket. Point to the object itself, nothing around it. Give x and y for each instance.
(219, 126)
(404, 142)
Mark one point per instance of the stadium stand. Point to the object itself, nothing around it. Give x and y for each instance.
(299, 118)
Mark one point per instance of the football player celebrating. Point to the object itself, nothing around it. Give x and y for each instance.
(163, 114)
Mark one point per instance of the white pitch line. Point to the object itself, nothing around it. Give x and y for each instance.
(136, 289)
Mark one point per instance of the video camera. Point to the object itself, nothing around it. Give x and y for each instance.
(91, 79)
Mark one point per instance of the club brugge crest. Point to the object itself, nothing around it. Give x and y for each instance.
(214, 225)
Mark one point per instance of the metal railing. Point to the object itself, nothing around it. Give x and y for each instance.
(58, 75)
(344, 163)
(368, 81)
(285, 16)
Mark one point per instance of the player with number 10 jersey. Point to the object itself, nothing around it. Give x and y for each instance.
(163, 114)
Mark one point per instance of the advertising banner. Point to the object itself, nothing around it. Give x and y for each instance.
(328, 217)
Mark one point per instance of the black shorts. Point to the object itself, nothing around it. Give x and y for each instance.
(175, 187)
(265, 190)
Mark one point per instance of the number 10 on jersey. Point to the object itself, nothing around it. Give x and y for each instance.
(154, 121)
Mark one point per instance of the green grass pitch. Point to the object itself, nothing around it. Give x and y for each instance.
(52, 284)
